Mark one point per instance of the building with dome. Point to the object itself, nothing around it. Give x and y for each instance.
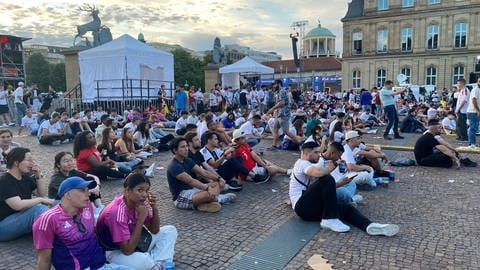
(319, 42)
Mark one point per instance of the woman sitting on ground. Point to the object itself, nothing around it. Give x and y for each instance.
(142, 137)
(107, 149)
(89, 159)
(120, 224)
(65, 167)
(125, 145)
(297, 131)
(18, 210)
(6, 145)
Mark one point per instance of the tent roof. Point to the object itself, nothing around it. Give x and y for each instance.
(246, 65)
(124, 45)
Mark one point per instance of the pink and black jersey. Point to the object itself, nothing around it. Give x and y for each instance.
(71, 248)
(117, 222)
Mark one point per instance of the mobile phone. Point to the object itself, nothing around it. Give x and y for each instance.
(351, 176)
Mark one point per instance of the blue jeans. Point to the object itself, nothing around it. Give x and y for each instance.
(346, 192)
(473, 127)
(391, 114)
(20, 223)
(252, 141)
(20, 112)
(128, 165)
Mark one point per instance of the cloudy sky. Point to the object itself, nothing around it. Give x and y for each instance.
(260, 24)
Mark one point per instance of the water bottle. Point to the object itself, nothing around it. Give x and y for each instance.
(168, 266)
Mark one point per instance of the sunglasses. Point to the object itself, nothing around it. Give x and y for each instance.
(79, 223)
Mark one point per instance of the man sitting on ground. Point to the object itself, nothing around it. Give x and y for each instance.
(433, 151)
(449, 123)
(188, 192)
(49, 133)
(364, 172)
(313, 197)
(250, 130)
(30, 122)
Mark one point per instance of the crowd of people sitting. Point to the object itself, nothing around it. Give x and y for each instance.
(214, 154)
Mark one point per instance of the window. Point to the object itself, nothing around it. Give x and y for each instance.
(382, 40)
(432, 2)
(431, 77)
(432, 37)
(458, 73)
(357, 43)
(406, 39)
(381, 77)
(356, 79)
(407, 3)
(460, 40)
(382, 4)
(406, 71)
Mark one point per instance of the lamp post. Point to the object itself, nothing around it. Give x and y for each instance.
(281, 70)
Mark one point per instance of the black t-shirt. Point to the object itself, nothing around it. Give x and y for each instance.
(424, 146)
(11, 187)
(175, 168)
(197, 157)
(58, 177)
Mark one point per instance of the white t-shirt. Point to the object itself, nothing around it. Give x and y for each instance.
(332, 124)
(449, 123)
(249, 129)
(198, 96)
(213, 99)
(192, 119)
(3, 97)
(293, 131)
(181, 123)
(348, 155)
(299, 172)
(239, 121)
(271, 124)
(322, 163)
(464, 95)
(474, 94)
(132, 126)
(52, 129)
(201, 128)
(30, 122)
(431, 113)
(207, 155)
(18, 93)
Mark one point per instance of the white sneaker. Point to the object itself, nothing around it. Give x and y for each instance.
(357, 198)
(149, 170)
(226, 198)
(382, 229)
(65, 141)
(335, 225)
(57, 142)
(289, 172)
(4, 126)
(12, 124)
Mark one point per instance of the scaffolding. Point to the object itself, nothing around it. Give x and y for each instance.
(12, 68)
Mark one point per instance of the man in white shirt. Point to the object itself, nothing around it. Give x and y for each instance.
(449, 123)
(461, 110)
(19, 105)
(250, 130)
(473, 114)
(213, 100)
(313, 197)
(30, 122)
(48, 132)
(181, 124)
(134, 123)
(364, 172)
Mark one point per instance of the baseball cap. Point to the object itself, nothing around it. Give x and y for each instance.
(20, 84)
(351, 134)
(74, 182)
(237, 134)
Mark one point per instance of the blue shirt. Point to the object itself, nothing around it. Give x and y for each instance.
(386, 96)
(181, 100)
(366, 98)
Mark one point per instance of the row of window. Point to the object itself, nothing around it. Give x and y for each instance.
(406, 38)
(384, 5)
(430, 75)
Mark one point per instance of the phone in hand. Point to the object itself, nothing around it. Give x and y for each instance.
(352, 175)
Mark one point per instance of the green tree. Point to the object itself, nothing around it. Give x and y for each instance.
(37, 69)
(57, 77)
(188, 69)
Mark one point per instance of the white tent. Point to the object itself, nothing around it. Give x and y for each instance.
(120, 59)
(231, 73)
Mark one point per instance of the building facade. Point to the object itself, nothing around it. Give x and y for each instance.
(51, 53)
(432, 42)
(319, 42)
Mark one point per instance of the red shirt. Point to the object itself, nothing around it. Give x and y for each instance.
(244, 151)
(82, 163)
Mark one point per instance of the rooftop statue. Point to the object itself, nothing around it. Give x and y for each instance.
(218, 54)
(101, 34)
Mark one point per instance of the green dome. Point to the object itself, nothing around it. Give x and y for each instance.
(319, 31)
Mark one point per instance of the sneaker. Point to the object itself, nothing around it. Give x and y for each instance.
(226, 198)
(473, 146)
(382, 229)
(467, 162)
(261, 178)
(57, 142)
(210, 207)
(289, 172)
(357, 198)
(234, 185)
(398, 137)
(149, 170)
(12, 124)
(335, 225)
(65, 141)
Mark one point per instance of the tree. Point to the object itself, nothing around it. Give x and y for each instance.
(57, 77)
(37, 69)
(188, 69)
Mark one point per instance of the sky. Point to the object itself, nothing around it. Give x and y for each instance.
(259, 24)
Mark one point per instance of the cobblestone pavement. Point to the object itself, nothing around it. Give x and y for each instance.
(437, 210)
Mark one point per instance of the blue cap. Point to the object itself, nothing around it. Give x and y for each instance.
(74, 182)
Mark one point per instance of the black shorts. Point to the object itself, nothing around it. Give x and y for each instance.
(4, 109)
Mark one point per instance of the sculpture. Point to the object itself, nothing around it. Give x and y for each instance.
(218, 54)
(101, 34)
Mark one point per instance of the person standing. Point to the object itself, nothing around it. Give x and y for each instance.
(366, 100)
(19, 104)
(36, 99)
(473, 114)
(4, 115)
(180, 100)
(388, 103)
(461, 110)
(284, 113)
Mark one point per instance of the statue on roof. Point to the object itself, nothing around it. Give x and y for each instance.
(218, 54)
(101, 34)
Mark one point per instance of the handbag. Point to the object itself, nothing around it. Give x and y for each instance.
(144, 241)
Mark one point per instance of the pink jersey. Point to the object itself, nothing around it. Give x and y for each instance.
(72, 249)
(117, 222)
